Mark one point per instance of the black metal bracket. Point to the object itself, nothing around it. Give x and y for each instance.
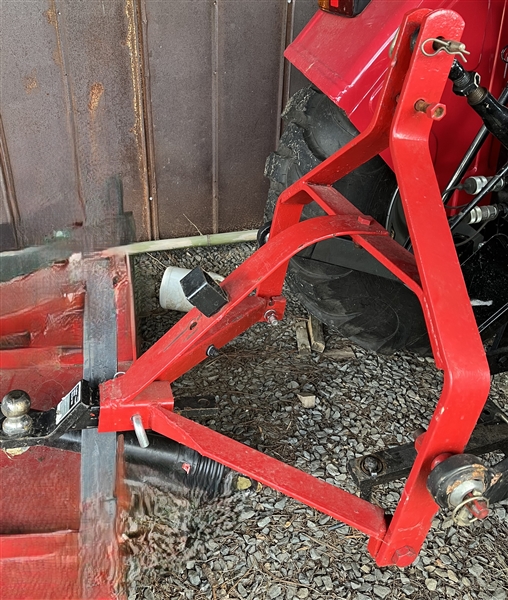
(196, 406)
(489, 435)
(498, 489)
(203, 292)
(79, 409)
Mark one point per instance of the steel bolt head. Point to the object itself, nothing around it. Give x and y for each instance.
(212, 352)
(15, 403)
(479, 509)
(433, 110)
(436, 111)
(404, 556)
(271, 317)
(371, 465)
(17, 426)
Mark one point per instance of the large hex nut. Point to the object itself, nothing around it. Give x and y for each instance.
(203, 292)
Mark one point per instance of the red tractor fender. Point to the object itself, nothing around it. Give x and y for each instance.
(347, 58)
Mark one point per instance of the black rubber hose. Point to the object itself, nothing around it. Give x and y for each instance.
(493, 113)
(167, 457)
(472, 151)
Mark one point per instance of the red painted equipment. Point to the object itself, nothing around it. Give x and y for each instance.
(352, 74)
(438, 283)
(254, 295)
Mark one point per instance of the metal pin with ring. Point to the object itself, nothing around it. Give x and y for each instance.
(448, 46)
(457, 514)
(140, 431)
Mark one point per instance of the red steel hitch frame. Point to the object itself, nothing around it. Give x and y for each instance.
(414, 80)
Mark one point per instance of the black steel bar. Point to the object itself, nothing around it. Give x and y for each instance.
(490, 434)
(499, 489)
(98, 450)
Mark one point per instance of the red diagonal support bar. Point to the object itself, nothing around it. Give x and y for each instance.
(354, 511)
(185, 345)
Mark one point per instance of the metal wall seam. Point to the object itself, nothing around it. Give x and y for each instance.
(9, 213)
(153, 207)
(285, 67)
(215, 116)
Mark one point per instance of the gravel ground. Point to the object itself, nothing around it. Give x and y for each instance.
(261, 545)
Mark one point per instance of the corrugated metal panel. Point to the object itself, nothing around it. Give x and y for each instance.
(100, 59)
(71, 112)
(181, 99)
(214, 90)
(8, 207)
(251, 36)
(33, 108)
(304, 10)
(180, 67)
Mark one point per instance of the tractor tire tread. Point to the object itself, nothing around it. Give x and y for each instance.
(376, 313)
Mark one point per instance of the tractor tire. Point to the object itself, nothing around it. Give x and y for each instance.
(374, 312)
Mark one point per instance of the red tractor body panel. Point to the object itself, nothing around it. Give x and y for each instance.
(347, 59)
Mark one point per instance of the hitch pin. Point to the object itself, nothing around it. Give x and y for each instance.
(140, 431)
(448, 46)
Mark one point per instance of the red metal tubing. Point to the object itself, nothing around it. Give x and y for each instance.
(333, 501)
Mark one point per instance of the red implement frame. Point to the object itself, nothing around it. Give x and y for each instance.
(433, 273)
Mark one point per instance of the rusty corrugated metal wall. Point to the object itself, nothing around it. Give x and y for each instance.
(181, 98)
